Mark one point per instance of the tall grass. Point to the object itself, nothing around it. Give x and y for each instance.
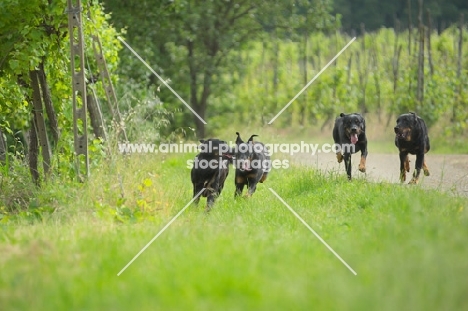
(407, 245)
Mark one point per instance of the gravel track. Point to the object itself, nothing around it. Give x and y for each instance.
(448, 172)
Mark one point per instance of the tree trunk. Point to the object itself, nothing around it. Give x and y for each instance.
(199, 125)
(3, 148)
(410, 27)
(49, 107)
(203, 103)
(429, 48)
(303, 106)
(420, 90)
(263, 82)
(377, 82)
(33, 153)
(410, 32)
(95, 116)
(459, 68)
(39, 120)
(275, 69)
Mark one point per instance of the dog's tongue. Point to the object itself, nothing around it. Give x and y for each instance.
(354, 139)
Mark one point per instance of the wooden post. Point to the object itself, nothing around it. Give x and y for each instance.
(75, 30)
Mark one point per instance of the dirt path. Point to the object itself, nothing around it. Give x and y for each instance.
(448, 172)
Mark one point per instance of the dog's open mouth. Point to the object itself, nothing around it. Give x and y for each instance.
(245, 166)
(354, 138)
(401, 135)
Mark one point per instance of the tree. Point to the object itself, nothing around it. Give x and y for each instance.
(192, 42)
(35, 69)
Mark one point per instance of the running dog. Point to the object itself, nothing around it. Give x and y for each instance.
(252, 165)
(349, 134)
(210, 170)
(411, 137)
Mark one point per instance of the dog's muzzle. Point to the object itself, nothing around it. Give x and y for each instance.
(399, 133)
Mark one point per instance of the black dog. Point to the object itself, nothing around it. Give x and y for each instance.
(411, 137)
(210, 169)
(349, 134)
(252, 164)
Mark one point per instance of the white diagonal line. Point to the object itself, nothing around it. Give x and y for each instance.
(160, 232)
(311, 81)
(312, 230)
(161, 79)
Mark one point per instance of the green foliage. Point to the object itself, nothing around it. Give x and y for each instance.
(193, 44)
(361, 80)
(42, 37)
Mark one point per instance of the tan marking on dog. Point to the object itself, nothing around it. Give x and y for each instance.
(339, 157)
(426, 169)
(252, 175)
(240, 180)
(406, 164)
(362, 164)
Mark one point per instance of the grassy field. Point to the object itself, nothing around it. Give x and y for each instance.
(408, 245)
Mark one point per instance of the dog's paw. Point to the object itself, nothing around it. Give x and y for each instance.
(426, 172)
(414, 181)
(402, 177)
(362, 167)
(339, 157)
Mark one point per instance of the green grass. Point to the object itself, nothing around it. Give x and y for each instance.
(407, 245)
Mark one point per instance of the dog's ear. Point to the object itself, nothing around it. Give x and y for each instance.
(342, 114)
(238, 139)
(202, 141)
(251, 138)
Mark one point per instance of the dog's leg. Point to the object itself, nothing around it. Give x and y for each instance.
(347, 162)
(407, 161)
(362, 163)
(417, 170)
(240, 183)
(264, 177)
(251, 187)
(196, 189)
(210, 201)
(403, 160)
(339, 156)
(425, 169)
(213, 191)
